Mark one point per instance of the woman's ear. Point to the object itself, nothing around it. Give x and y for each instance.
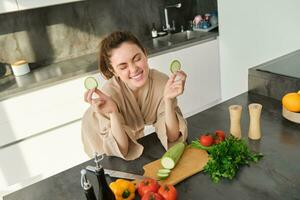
(145, 52)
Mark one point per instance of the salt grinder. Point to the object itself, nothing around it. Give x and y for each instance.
(235, 112)
(254, 127)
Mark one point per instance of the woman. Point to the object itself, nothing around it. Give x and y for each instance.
(133, 96)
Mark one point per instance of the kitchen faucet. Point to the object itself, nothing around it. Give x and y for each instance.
(168, 27)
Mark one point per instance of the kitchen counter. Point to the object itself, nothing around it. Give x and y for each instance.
(276, 176)
(276, 77)
(56, 73)
(287, 65)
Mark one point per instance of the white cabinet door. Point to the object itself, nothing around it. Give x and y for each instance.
(28, 4)
(201, 64)
(38, 111)
(42, 156)
(8, 6)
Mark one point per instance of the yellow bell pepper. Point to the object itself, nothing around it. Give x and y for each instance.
(123, 189)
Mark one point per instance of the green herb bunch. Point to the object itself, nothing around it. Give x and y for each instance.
(227, 157)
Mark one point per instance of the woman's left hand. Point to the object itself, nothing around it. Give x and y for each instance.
(175, 87)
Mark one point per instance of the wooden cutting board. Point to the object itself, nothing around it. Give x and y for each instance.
(192, 161)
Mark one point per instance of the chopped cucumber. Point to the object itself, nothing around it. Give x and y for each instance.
(90, 83)
(162, 176)
(164, 171)
(175, 66)
(172, 156)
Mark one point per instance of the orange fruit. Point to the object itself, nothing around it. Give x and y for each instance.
(291, 101)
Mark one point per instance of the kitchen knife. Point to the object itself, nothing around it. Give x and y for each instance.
(118, 174)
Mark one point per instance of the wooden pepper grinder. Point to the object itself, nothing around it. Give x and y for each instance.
(254, 127)
(235, 112)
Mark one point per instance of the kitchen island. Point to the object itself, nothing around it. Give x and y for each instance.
(276, 176)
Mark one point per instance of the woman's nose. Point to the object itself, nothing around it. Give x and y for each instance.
(133, 68)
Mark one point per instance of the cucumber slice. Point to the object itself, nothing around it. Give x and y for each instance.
(175, 66)
(90, 83)
(164, 171)
(162, 176)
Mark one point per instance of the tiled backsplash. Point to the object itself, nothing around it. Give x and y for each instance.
(61, 32)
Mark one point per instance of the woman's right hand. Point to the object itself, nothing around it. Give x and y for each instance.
(103, 104)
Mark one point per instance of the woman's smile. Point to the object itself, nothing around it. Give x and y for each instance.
(138, 76)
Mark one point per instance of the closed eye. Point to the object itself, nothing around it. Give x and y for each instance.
(122, 66)
(137, 57)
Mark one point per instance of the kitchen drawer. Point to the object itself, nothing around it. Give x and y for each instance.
(41, 156)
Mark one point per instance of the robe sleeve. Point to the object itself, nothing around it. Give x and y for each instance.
(161, 129)
(97, 137)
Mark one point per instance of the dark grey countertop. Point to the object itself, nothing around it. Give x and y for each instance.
(287, 65)
(276, 176)
(56, 73)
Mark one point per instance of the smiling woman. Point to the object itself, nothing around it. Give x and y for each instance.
(134, 96)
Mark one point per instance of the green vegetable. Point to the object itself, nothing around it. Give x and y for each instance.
(90, 83)
(164, 171)
(172, 156)
(175, 66)
(227, 157)
(162, 176)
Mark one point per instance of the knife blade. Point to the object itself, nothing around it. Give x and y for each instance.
(117, 174)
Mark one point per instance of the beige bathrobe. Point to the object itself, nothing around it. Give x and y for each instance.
(135, 113)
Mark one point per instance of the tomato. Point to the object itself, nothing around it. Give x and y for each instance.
(147, 185)
(168, 192)
(206, 140)
(220, 134)
(217, 140)
(152, 196)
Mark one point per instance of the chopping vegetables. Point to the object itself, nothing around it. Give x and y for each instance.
(170, 159)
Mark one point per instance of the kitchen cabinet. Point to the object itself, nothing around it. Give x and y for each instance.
(8, 6)
(41, 132)
(201, 64)
(36, 112)
(29, 4)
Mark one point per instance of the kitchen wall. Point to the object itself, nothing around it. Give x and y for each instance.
(60, 32)
(55, 33)
(251, 33)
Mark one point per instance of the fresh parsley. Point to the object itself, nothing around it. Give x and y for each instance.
(227, 157)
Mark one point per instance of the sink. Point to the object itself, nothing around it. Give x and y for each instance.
(180, 37)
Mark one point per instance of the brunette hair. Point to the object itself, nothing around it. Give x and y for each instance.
(110, 42)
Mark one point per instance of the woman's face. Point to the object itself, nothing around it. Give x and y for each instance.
(130, 64)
